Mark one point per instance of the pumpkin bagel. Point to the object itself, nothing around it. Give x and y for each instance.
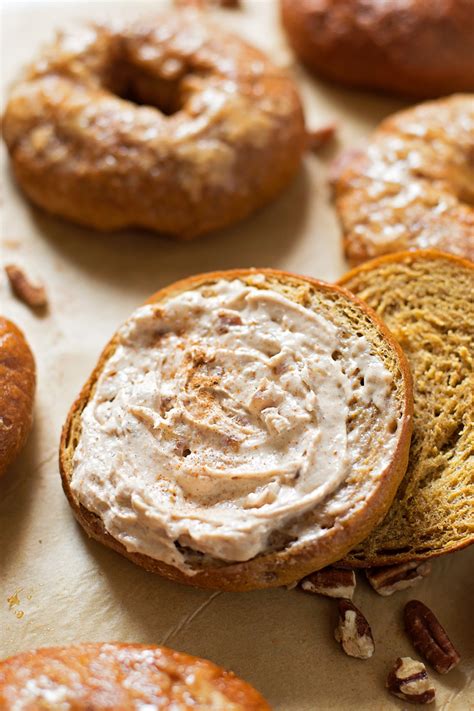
(121, 677)
(240, 430)
(412, 186)
(413, 48)
(17, 390)
(171, 124)
(425, 297)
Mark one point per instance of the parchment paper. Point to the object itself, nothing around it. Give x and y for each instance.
(57, 587)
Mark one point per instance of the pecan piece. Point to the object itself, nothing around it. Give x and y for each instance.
(332, 582)
(316, 138)
(33, 295)
(202, 4)
(429, 637)
(353, 631)
(409, 681)
(390, 578)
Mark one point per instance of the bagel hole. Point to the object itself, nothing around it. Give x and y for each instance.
(132, 83)
(160, 96)
(156, 93)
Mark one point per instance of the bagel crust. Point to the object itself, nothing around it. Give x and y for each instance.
(418, 48)
(413, 186)
(122, 677)
(171, 124)
(328, 530)
(17, 389)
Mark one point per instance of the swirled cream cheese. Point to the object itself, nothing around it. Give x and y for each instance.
(222, 415)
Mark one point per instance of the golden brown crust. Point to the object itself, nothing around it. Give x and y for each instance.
(17, 388)
(425, 298)
(415, 48)
(413, 186)
(120, 677)
(296, 560)
(81, 151)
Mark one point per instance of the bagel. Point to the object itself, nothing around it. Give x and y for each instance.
(240, 430)
(218, 131)
(17, 390)
(426, 299)
(414, 48)
(120, 677)
(413, 187)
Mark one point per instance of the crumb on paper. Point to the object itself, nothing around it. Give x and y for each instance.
(33, 295)
(11, 243)
(14, 599)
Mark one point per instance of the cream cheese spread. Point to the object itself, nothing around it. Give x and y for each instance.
(221, 417)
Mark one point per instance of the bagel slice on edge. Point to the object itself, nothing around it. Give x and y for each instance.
(240, 430)
(426, 298)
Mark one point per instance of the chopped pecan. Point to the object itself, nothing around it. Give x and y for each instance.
(390, 578)
(409, 681)
(318, 137)
(429, 638)
(196, 4)
(353, 631)
(332, 582)
(33, 295)
(201, 4)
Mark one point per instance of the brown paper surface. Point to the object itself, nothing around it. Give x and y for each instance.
(57, 587)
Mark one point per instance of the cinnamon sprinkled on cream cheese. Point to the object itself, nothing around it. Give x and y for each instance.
(221, 418)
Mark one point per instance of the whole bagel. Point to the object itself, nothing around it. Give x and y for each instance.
(173, 125)
(122, 677)
(421, 48)
(17, 389)
(413, 186)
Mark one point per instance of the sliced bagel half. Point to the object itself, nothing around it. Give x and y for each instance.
(426, 298)
(240, 430)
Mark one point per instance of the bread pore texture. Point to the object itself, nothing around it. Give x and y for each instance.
(240, 430)
(426, 298)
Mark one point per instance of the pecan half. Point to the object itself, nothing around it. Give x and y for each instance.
(33, 295)
(316, 138)
(429, 638)
(353, 631)
(409, 681)
(332, 582)
(390, 578)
